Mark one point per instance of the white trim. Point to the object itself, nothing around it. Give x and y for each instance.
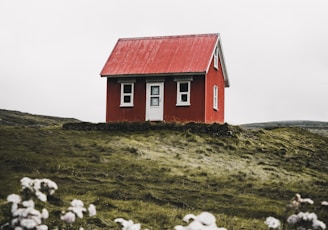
(212, 55)
(223, 65)
(129, 94)
(222, 62)
(215, 97)
(180, 94)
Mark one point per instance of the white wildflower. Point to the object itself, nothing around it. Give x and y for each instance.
(45, 214)
(42, 227)
(272, 222)
(34, 212)
(14, 221)
(18, 228)
(14, 207)
(77, 203)
(128, 224)
(41, 196)
(92, 210)
(36, 219)
(306, 216)
(293, 219)
(324, 203)
(28, 203)
(307, 200)
(52, 186)
(14, 198)
(21, 212)
(317, 224)
(298, 198)
(28, 223)
(26, 182)
(69, 217)
(37, 184)
(77, 208)
(78, 211)
(204, 220)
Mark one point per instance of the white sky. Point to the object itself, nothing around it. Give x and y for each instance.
(276, 52)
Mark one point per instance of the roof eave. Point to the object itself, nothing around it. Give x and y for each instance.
(223, 65)
(153, 74)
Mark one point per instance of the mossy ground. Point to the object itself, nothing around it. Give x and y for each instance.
(156, 177)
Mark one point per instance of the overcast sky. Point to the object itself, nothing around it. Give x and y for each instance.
(276, 53)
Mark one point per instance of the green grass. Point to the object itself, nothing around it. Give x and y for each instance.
(156, 177)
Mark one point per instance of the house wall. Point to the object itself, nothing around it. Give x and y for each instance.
(194, 112)
(172, 113)
(214, 77)
(116, 113)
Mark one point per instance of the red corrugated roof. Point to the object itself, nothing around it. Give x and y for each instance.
(161, 55)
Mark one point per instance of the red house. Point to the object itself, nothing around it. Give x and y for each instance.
(168, 78)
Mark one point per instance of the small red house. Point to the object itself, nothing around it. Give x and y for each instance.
(168, 78)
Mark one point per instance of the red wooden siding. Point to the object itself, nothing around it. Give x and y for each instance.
(214, 77)
(195, 111)
(116, 113)
(172, 113)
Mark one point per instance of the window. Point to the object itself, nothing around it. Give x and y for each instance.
(216, 97)
(183, 93)
(216, 57)
(127, 94)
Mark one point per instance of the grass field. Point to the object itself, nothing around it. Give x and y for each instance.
(156, 177)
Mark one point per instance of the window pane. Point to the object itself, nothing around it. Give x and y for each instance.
(155, 90)
(127, 99)
(127, 88)
(154, 101)
(183, 87)
(184, 97)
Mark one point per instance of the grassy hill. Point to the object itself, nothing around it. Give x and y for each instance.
(156, 176)
(16, 118)
(319, 127)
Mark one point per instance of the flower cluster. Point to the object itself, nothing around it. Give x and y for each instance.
(127, 224)
(24, 214)
(77, 209)
(40, 187)
(272, 222)
(306, 219)
(204, 220)
(300, 220)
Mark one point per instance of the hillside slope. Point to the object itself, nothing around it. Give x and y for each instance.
(318, 127)
(16, 118)
(155, 177)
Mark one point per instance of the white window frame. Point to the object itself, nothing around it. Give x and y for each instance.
(216, 57)
(179, 94)
(130, 94)
(215, 97)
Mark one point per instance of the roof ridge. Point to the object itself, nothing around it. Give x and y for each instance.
(169, 36)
